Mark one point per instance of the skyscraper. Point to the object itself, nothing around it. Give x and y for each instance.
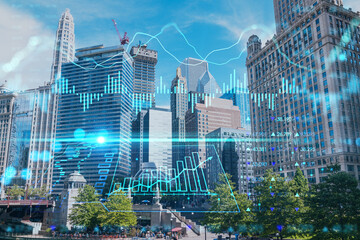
(305, 92)
(145, 61)
(21, 129)
(64, 49)
(153, 141)
(288, 12)
(179, 106)
(206, 117)
(240, 98)
(7, 99)
(234, 152)
(198, 76)
(93, 133)
(42, 138)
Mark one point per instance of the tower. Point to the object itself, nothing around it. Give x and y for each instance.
(179, 106)
(64, 49)
(145, 61)
(253, 45)
(94, 137)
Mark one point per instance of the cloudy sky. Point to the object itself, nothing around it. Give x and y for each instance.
(27, 30)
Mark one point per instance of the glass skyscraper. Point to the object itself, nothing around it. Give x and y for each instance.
(93, 134)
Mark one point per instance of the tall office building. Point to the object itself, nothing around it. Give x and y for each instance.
(287, 13)
(152, 140)
(42, 138)
(145, 61)
(206, 117)
(305, 93)
(64, 49)
(137, 143)
(233, 156)
(7, 99)
(198, 76)
(179, 106)
(93, 133)
(20, 134)
(240, 98)
(28, 152)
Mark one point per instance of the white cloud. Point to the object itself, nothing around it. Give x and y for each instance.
(26, 49)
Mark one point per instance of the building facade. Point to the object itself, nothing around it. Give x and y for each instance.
(93, 132)
(206, 117)
(240, 98)
(7, 99)
(145, 61)
(198, 76)
(231, 150)
(64, 49)
(153, 143)
(304, 92)
(179, 106)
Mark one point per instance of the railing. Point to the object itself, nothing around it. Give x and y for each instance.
(188, 222)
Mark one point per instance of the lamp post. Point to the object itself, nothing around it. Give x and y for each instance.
(205, 231)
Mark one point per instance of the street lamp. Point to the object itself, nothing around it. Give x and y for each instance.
(205, 231)
(171, 224)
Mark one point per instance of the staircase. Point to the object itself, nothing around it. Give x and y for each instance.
(190, 224)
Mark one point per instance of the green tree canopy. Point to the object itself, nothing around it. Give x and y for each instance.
(335, 207)
(15, 192)
(280, 204)
(86, 213)
(227, 214)
(118, 212)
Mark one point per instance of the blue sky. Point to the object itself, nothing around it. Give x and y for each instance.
(207, 24)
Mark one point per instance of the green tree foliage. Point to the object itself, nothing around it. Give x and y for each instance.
(225, 215)
(15, 192)
(280, 204)
(119, 212)
(335, 207)
(90, 213)
(87, 212)
(37, 192)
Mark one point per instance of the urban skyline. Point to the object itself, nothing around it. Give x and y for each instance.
(121, 135)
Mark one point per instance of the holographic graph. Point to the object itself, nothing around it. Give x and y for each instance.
(187, 179)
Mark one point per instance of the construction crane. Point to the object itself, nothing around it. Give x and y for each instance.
(123, 40)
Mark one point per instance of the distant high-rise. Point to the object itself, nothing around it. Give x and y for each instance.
(305, 92)
(206, 117)
(64, 49)
(93, 133)
(198, 77)
(240, 98)
(179, 106)
(145, 61)
(152, 140)
(234, 149)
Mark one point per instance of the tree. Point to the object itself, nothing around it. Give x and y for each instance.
(88, 209)
(280, 208)
(225, 215)
(37, 192)
(118, 212)
(335, 207)
(15, 192)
